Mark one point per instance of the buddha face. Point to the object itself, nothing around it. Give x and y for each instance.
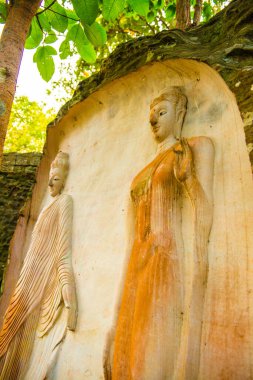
(56, 181)
(162, 119)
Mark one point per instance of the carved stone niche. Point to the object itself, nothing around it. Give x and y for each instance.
(109, 141)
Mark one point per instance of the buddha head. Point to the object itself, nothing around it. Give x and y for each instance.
(167, 113)
(58, 173)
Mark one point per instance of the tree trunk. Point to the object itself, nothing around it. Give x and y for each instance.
(183, 14)
(11, 51)
(197, 12)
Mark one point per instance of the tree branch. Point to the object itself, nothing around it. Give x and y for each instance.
(123, 30)
(45, 9)
(162, 20)
(60, 14)
(37, 18)
(148, 24)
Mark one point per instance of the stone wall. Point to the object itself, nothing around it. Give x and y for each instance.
(17, 177)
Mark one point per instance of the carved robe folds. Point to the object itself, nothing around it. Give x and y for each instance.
(37, 299)
(156, 328)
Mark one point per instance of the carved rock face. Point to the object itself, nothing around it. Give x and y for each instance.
(56, 181)
(162, 119)
(112, 124)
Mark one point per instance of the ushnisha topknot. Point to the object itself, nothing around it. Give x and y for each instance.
(61, 161)
(173, 94)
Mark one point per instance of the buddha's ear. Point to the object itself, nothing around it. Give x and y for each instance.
(181, 108)
(180, 115)
(63, 185)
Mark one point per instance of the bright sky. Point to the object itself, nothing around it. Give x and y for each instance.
(30, 82)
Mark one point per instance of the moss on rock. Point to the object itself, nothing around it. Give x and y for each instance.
(17, 178)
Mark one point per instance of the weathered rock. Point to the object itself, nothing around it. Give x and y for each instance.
(17, 177)
(108, 139)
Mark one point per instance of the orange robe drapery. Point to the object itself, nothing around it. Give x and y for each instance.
(150, 317)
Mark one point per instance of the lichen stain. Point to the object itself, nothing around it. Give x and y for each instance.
(2, 108)
(3, 74)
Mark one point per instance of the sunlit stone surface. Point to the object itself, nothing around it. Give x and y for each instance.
(109, 142)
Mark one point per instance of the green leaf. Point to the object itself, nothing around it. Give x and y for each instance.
(57, 16)
(150, 16)
(87, 52)
(35, 36)
(3, 13)
(36, 54)
(76, 34)
(112, 8)
(44, 22)
(136, 17)
(170, 12)
(160, 4)
(64, 49)
(96, 34)
(86, 10)
(207, 11)
(51, 38)
(45, 62)
(140, 6)
(46, 68)
(48, 50)
(83, 46)
(72, 17)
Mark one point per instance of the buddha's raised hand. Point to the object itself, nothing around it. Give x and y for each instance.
(183, 164)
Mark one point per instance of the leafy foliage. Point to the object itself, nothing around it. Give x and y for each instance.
(207, 11)
(96, 34)
(141, 7)
(27, 126)
(56, 16)
(45, 62)
(112, 8)
(86, 10)
(35, 35)
(3, 12)
(87, 26)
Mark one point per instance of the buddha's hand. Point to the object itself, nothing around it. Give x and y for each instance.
(70, 302)
(183, 164)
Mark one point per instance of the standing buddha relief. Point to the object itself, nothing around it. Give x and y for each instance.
(44, 302)
(158, 331)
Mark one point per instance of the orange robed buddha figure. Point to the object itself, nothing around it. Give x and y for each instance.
(158, 331)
